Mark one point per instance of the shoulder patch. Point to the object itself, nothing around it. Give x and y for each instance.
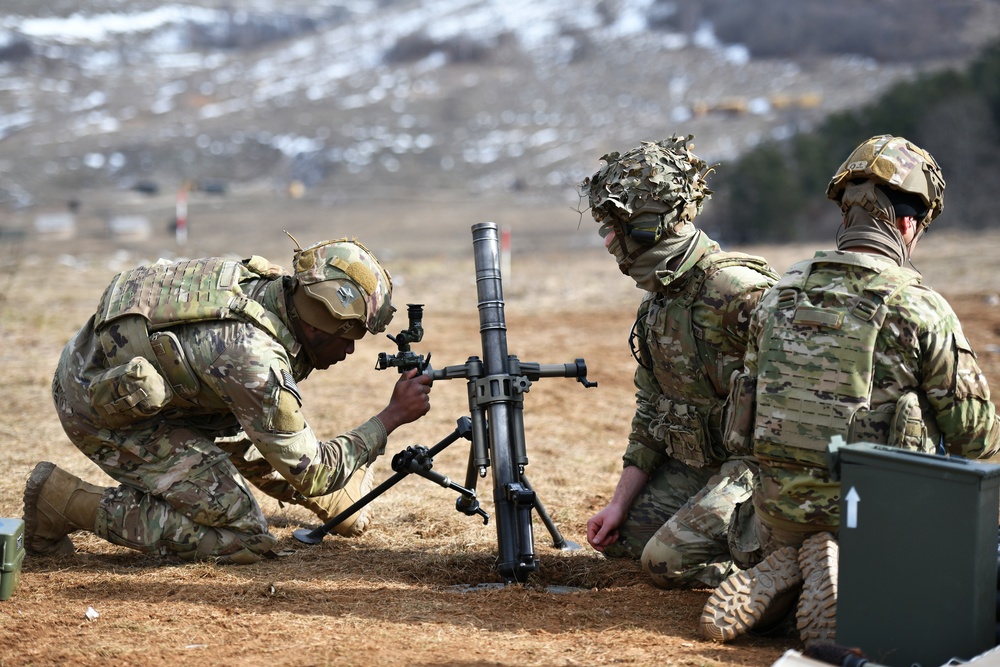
(288, 382)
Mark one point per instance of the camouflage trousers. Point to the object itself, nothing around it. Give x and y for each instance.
(667, 490)
(691, 550)
(179, 493)
(677, 525)
(256, 469)
(752, 539)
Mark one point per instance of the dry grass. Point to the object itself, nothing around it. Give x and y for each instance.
(398, 595)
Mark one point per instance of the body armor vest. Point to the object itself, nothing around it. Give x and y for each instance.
(190, 291)
(816, 361)
(687, 367)
(140, 305)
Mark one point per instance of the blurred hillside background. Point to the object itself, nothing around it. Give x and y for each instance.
(112, 111)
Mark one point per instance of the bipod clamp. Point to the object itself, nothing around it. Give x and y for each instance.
(419, 461)
(462, 430)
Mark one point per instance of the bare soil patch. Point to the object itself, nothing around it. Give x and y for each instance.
(395, 596)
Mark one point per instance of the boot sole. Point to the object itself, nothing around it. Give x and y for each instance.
(740, 601)
(32, 490)
(816, 616)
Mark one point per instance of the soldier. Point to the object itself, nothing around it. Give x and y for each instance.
(672, 502)
(849, 344)
(184, 384)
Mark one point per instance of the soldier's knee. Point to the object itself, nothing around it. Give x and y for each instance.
(228, 547)
(632, 538)
(664, 564)
(674, 569)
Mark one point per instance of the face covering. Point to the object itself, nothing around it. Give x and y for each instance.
(626, 240)
(649, 264)
(870, 221)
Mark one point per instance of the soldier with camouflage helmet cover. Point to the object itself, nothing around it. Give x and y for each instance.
(848, 344)
(671, 504)
(183, 386)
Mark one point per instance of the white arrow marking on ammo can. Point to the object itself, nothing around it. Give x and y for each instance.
(852, 508)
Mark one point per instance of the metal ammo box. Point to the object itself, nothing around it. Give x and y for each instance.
(918, 554)
(11, 555)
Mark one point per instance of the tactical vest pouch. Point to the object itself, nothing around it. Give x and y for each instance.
(815, 373)
(739, 415)
(908, 430)
(871, 425)
(683, 433)
(128, 393)
(173, 363)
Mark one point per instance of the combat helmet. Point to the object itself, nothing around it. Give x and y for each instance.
(898, 166)
(649, 191)
(341, 288)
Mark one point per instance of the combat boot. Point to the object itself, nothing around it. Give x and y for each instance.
(816, 616)
(328, 506)
(56, 504)
(753, 598)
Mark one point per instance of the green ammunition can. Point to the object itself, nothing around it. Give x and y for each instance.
(11, 555)
(918, 554)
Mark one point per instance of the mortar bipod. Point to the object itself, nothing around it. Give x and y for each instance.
(412, 460)
(419, 460)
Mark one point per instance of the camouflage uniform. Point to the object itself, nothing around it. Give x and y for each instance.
(210, 345)
(689, 338)
(847, 345)
(851, 344)
(692, 337)
(909, 379)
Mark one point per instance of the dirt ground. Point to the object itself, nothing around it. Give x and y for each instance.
(407, 592)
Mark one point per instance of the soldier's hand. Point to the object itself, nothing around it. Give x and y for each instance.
(410, 400)
(602, 529)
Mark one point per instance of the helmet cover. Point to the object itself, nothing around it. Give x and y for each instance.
(340, 283)
(896, 164)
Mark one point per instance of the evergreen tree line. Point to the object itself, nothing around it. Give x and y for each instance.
(777, 192)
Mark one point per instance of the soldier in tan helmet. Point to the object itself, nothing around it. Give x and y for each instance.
(848, 344)
(676, 490)
(183, 386)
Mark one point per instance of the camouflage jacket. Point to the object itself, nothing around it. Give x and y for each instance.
(921, 381)
(242, 365)
(690, 338)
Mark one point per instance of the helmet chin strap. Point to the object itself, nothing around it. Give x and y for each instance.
(298, 325)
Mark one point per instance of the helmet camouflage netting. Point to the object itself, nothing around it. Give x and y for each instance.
(662, 177)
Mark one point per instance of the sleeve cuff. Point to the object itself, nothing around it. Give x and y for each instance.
(643, 458)
(373, 432)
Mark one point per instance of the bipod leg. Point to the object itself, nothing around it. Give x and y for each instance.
(558, 541)
(316, 535)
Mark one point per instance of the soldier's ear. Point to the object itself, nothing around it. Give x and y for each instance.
(906, 224)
